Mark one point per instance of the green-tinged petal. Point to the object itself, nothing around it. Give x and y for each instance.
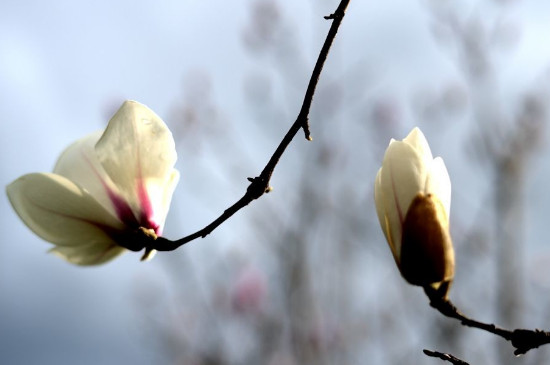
(378, 200)
(138, 153)
(66, 215)
(438, 183)
(86, 255)
(381, 212)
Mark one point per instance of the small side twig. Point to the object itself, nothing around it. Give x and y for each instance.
(523, 340)
(446, 357)
(258, 185)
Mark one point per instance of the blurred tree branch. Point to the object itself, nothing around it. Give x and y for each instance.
(259, 184)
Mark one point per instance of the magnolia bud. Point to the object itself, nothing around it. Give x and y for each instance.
(413, 198)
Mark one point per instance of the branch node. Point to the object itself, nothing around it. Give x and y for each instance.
(446, 357)
(333, 16)
(339, 13)
(305, 127)
(258, 187)
(522, 339)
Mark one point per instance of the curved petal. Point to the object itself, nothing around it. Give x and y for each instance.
(417, 140)
(379, 202)
(161, 205)
(138, 153)
(438, 184)
(79, 163)
(403, 176)
(87, 255)
(381, 212)
(63, 213)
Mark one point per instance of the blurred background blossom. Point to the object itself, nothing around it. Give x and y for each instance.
(303, 275)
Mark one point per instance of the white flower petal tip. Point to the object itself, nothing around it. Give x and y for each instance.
(106, 189)
(413, 197)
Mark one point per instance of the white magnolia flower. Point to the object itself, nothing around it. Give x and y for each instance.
(413, 199)
(103, 189)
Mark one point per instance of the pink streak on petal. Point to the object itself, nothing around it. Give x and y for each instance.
(146, 218)
(147, 214)
(121, 207)
(123, 210)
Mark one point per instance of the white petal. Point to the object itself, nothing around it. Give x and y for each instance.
(381, 212)
(417, 140)
(166, 198)
(138, 153)
(403, 175)
(79, 164)
(63, 213)
(438, 183)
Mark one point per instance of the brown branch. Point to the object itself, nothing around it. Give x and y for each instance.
(447, 357)
(522, 339)
(260, 184)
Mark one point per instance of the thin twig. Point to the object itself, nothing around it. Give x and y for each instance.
(259, 185)
(522, 339)
(447, 357)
